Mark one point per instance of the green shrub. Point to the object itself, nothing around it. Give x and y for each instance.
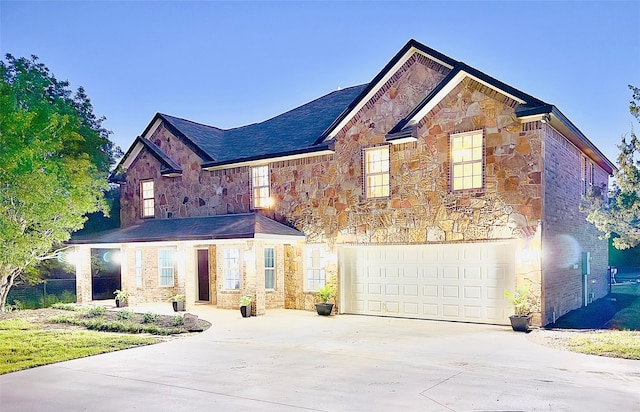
(177, 320)
(124, 314)
(96, 311)
(67, 297)
(150, 317)
(65, 306)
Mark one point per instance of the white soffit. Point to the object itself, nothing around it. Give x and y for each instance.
(133, 155)
(381, 82)
(453, 83)
(266, 161)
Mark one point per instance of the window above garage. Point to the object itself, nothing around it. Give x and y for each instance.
(467, 160)
(376, 171)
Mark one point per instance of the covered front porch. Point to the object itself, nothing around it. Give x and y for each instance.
(213, 260)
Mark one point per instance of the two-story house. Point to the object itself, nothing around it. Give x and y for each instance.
(425, 193)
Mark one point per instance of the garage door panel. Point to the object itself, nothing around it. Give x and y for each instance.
(451, 311)
(472, 273)
(430, 291)
(472, 292)
(473, 312)
(451, 272)
(392, 289)
(450, 292)
(410, 290)
(374, 288)
(374, 306)
(463, 282)
(410, 308)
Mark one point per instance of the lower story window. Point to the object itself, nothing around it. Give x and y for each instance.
(138, 262)
(315, 267)
(166, 266)
(231, 268)
(269, 268)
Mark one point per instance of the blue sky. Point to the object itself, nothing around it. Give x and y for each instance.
(229, 64)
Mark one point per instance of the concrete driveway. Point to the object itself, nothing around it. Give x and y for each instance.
(295, 360)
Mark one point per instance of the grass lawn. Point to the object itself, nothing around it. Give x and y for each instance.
(621, 337)
(39, 337)
(25, 346)
(613, 343)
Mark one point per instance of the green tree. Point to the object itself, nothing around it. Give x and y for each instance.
(618, 217)
(54, 159)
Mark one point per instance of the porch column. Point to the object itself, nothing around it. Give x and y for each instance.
(261, 298)
(83, 274)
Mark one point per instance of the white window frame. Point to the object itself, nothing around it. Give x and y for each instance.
(231, 268)
(147, 199)
(270, 268)
(260, 187)
(137, 253)
(166, 267)
(315, 262)
(377, 167)
(467, 160)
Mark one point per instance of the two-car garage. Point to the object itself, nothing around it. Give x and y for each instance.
(459, 282)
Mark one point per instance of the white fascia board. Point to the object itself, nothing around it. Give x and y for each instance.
(453, 83)
(152, 129)
(132, 156)
(262, 162)
(374, 90)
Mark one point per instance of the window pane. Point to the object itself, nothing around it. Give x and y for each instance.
(269, 268)
(466, 160)
(231, 268)
(165, 267)
(315, 268)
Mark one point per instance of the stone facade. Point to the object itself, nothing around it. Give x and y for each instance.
(530, 193)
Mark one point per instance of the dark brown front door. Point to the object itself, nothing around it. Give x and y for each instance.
(203, 275)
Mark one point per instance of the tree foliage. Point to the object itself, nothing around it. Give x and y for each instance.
(54, 159)
(619, 216)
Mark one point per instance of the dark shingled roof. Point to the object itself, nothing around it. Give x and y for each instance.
(291, 131)
(237, 226)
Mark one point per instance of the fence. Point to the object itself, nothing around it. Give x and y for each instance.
(43, 294)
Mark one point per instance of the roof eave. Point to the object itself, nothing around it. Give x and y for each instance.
(312, 151)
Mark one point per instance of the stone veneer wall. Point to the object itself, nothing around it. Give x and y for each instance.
(566, 233)
(149, 291)
(325, 199)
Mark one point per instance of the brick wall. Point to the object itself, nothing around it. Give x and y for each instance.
(566, 233)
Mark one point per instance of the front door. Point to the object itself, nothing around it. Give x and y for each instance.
(203, 275)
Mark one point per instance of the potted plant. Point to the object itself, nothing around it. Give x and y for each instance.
(522, 306)
(245, 305)
(178, 302)
(122, 298)
(325, 293)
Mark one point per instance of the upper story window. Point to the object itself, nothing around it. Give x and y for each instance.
(587, 174)
(376, 171)
(269, 268)
(260, 187)
(147, 196)
(314, 267)
(231, 268)
(467, 158)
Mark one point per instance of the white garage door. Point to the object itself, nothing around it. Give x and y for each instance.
(461, 282)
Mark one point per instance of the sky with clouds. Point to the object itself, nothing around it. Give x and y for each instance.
(233, 63)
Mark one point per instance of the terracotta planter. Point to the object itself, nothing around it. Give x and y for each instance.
(324, 309)
(178, 306)
(245, 311)
(520, 323)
